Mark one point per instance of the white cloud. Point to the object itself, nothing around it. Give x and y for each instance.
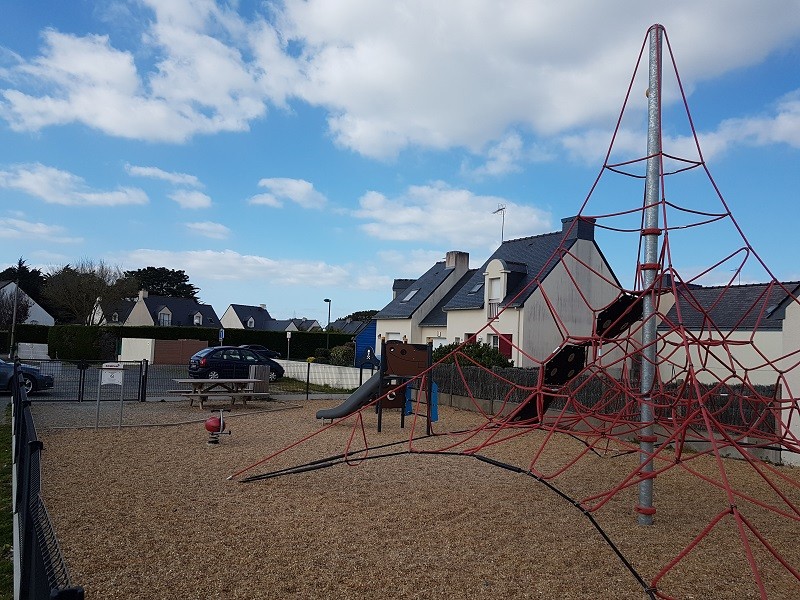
(215, 231)
(20, 229)
(502, 158)
(55, 186)
(394, 74)
(780, 126)
(265, 200)
(156, 173)
(391, 75)
(199, 85)
(413, 263)
(229, 265)
(190, 199)
(281, 189)
(439, 214)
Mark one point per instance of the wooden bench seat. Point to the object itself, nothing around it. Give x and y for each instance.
(202, 397)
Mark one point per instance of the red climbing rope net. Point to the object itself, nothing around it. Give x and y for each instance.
(722, 386)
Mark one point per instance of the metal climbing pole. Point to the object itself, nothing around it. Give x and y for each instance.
(650, 266)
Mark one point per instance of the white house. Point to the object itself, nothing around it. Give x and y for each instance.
(738, 335)
(513, 290)
(171, 312)
(36, 314)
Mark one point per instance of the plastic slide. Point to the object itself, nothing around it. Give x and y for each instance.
(354, 401)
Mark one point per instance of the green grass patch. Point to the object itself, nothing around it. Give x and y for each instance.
(295, 386)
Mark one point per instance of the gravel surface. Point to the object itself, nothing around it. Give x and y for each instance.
(147, 511)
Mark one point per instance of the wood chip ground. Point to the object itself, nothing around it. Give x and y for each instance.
(146, 511)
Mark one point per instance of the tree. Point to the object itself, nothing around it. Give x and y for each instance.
(7, 310)
(73, 292)
(362, 315)
(31, 281)
(161, 281)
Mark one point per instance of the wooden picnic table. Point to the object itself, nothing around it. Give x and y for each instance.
(203, 389)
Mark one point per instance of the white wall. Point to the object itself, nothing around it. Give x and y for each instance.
(791, 391)
(137, 349)
(319, 374)
(230, 320)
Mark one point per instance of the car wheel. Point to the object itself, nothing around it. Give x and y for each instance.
(29, 383)
(212, 375)
(273, 376)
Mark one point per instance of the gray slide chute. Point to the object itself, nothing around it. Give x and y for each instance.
(354, 401)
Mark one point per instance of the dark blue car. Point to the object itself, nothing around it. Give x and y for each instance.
(229, 362)
(35, 380)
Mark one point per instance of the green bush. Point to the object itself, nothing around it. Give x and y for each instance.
(343, 356)
(322, 356)
(481, 353)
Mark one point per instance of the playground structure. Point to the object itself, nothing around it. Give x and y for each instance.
(401, 363)
(215, 426)
(658, 377)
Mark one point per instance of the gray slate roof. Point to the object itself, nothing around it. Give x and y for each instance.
(525, 258)
(182, 309)
(347, 326)
(437, 317)
(399, 308)
(123, 309)
(759, 306)
(259, 314)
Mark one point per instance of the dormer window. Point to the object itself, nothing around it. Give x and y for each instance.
(409, 295)
(495, 296)
(165, 318)
(198, 319)
(115, 318)
(251, 323)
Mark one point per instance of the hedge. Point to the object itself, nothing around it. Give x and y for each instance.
(82, 342)
(33, 334)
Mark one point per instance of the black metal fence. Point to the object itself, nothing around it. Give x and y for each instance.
(736, 406)
(39, 567)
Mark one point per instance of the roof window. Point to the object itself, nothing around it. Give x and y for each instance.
(409, 295)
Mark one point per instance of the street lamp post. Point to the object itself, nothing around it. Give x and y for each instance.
(328, 328)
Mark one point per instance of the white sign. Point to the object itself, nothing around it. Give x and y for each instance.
(111, 373)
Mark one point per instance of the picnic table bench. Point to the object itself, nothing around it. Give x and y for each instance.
(206, 389)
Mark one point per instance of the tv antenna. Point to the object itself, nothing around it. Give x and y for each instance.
(501, 208)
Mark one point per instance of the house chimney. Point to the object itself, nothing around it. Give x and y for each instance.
(457, 260)
(142, 294)
(583, 229)
(262, 306)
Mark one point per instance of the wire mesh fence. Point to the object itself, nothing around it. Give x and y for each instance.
(39, 565)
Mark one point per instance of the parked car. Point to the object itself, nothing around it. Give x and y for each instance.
(263, 350)
(229, 362)
(35, 380)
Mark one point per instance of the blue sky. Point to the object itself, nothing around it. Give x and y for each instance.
(287, 152)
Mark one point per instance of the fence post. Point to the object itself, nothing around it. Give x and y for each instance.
(143, 368)
(82, 366)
